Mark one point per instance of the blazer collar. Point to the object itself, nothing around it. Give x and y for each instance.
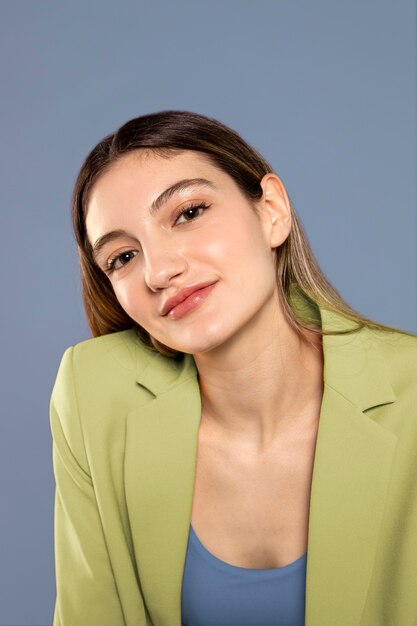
(351, 473)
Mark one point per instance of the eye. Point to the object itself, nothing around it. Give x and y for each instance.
(111, 264)
(191, 209)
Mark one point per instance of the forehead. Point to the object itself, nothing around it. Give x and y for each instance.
(146, 173)
(136, 180)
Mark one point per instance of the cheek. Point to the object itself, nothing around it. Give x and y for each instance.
(245, 253)
(131, 299)
(228, 241)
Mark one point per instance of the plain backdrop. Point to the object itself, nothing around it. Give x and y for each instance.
(326, 90)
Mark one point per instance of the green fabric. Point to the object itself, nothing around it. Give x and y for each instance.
(124, 422)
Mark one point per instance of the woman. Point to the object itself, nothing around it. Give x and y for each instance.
(235, 444)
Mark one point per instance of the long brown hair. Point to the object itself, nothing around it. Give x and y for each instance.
(166, 133)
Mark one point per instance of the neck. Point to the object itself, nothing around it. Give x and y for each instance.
(262, 387)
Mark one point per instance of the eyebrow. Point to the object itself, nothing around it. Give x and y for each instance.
(181, 185)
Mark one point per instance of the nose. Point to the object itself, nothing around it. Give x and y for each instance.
(161, 265)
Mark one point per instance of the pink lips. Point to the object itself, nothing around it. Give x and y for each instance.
(188, 304)
(181, 296)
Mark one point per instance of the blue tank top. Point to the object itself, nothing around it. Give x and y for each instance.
(216, 593)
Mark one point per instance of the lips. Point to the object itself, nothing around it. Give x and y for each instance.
(182, 295)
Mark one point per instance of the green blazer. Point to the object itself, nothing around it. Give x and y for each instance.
(124, 422)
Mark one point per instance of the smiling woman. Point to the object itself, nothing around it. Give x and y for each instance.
(194, 138)
(230, 411)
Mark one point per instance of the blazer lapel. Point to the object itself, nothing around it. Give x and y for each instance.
(351, 473)
(160, 459)
(350, 478)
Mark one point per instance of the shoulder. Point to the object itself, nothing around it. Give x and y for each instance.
(115, 373)
(95, 388)
(121, 349)
(106, 358)
(399, 351)
(101, 370)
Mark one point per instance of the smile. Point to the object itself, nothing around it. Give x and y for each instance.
(190, 303)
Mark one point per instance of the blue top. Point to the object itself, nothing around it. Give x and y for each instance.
(216, 593)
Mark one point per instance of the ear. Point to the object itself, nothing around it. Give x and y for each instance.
(275, 210)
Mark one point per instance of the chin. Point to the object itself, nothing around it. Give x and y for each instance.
(212, 338)
(192, 347)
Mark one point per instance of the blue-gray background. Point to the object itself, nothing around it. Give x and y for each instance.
(324, 89)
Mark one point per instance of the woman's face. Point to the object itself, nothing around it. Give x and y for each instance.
(205, 233)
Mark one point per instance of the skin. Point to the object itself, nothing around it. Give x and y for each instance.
(261, 384)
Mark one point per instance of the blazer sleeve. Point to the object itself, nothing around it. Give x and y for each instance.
(86, 593)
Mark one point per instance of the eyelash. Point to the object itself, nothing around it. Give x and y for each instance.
(111, 262)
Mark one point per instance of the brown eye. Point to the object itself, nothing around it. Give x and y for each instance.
(192, 209)
(124, 258)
